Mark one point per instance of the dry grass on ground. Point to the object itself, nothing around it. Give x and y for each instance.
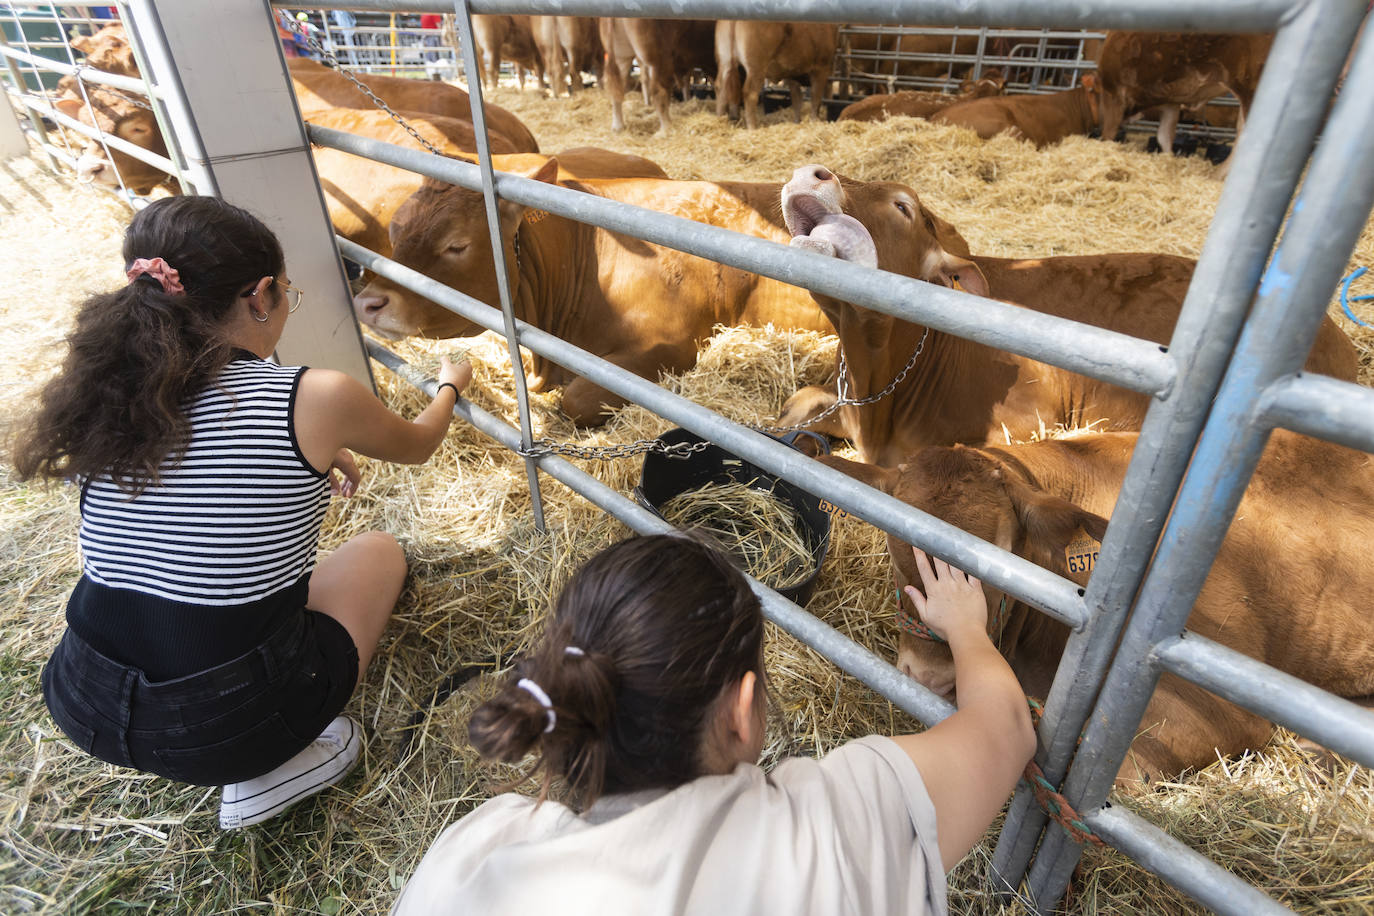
(82, 837)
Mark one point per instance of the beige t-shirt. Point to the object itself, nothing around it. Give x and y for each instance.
(851, 833)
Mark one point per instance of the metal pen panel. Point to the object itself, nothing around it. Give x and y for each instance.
(884, 679)
(1335, 723)
(1332, 209)
(1195, 874)
(1109, 356)
(498, 249)
(1267, 163)
(1324, 407)
(1216, 16)
(1039, 587)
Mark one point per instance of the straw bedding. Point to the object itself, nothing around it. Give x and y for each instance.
(82, 837)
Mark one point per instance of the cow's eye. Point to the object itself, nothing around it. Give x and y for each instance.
(902, 208)
(456, 249)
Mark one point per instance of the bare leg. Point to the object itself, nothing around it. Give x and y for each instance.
(358, 585)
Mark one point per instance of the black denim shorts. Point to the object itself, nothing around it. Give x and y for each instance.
(233, 722)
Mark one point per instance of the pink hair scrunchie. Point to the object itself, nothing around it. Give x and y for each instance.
(161, 271)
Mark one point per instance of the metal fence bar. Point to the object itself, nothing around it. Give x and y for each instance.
(1267, 164)
(124, 146)
(1328, 216)
(1106, 355)
(1216, 16)
(1192, 873)
(1323, 407)
(88, 74)
(1335, 723)
(1053, 594)
(868, 668)
(469, 45)
(35, 119)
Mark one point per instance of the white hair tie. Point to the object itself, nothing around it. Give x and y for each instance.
(538, 693)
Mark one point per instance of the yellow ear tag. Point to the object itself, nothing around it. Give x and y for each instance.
(1081, 553)
(534, 216)
(954, 283)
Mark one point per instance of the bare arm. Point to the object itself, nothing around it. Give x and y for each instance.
(334, 411)
(971, 761)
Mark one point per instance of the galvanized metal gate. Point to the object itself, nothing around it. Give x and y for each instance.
(1229, 375)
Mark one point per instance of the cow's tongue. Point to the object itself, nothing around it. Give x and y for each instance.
(802, 213)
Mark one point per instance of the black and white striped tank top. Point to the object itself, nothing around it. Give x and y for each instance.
(236, 520)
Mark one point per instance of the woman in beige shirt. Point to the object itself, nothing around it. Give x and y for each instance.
(645, 700)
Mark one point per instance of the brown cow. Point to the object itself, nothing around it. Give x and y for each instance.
(914, 103)
(569, 46)
(1290, 585)
(772, 51)
(642, 306)
(668, 51)
(363, 196)
(961, 391)
(121, 115)
(1140, 70)
(507, 38)
(319, 88)
(108, 50)
(1041, 119)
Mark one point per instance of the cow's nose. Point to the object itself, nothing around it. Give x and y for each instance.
(821, 173)
(371, 306)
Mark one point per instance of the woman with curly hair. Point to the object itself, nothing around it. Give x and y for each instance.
(204, 640)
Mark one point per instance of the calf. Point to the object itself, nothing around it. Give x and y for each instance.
(668, 51)
(918, 104)
(127, 117)
(108, 50)
(1040, 119)
(1140, 70)
(772, 51)
(961, 391)
(1290, 585)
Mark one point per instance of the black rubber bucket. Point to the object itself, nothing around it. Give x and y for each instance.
(664, 477)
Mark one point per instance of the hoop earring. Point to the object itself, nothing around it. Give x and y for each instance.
(256, 318)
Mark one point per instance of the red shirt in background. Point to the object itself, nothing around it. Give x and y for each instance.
(431, 20)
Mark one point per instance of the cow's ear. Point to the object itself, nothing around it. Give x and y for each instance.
(882, 478)
(81, 43)
(1089, 81)
(69, 106)
(960, 273)
(1050, 523)
(548, 172)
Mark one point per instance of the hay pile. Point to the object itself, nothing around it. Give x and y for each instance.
(82, 837)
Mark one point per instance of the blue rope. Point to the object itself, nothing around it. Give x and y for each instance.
(1345, 296)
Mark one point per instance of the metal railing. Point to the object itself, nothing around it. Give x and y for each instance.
(1247, 364)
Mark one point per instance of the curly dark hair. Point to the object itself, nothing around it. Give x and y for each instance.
(659, 627)
(117, 407)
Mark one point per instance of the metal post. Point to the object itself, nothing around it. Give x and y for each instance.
(35, 119)
(463, 21)
(1331, 211)
(1268, 162)
(13, 143)
(241, 132)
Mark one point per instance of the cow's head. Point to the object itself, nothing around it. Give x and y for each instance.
(978, 492)
(886, 222)
(441, 231)
(992, 82)
(108, 50)
(119, 116)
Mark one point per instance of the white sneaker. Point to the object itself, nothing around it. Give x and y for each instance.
(326, 761)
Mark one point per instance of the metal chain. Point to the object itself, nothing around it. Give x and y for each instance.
(329, 56)
(842, 398)
(101, 87)
(542, 447)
